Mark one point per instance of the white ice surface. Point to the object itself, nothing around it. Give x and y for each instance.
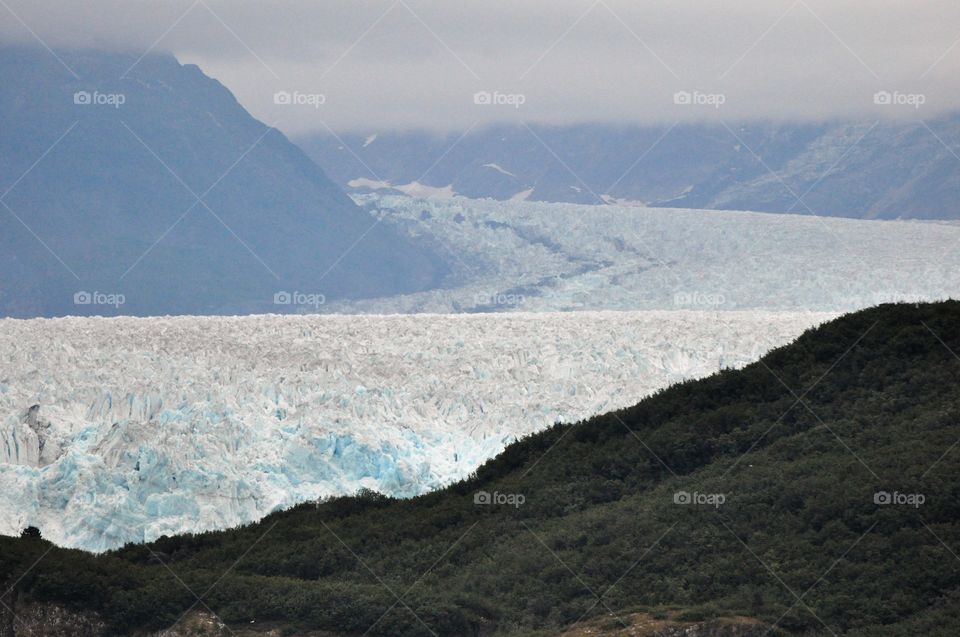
(542, 257)
(164, 425)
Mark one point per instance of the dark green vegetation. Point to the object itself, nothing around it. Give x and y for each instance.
(798, 444)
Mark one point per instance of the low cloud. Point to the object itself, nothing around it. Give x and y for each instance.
(410, 63)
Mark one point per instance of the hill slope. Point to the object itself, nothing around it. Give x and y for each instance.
(100, 176)
(864, 169)
(815, 491)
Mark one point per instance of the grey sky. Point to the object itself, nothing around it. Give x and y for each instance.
(413, 63)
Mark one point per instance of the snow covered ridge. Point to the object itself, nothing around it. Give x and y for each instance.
(532, 256)
(117, 430)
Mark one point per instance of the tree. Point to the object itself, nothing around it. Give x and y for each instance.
(30, 532)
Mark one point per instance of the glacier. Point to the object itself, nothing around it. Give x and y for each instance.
(116, 430)
(542, 257)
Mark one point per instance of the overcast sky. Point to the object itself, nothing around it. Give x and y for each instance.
(416, 63)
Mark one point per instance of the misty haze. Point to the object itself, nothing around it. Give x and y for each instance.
(546, 319)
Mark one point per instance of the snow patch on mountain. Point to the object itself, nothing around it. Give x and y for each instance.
(413, 189)
(122, 430)
(372, 184)
(499, 169)
(417, 189)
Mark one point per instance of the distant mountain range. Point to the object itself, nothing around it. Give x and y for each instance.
(143, 187)
(864, 169)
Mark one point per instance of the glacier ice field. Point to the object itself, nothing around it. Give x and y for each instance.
(116, 430)
(535, 256)
(121, 430)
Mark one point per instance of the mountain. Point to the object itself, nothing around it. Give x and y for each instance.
(866, 169)
(814, 492)
(143, 187)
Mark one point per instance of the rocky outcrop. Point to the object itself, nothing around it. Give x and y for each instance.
(21, 618)
(647, 625)
(714, 629)
(199, 624)
(24, 618)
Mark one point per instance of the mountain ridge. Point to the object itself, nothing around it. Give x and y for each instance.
(883, 169)
(145, 188)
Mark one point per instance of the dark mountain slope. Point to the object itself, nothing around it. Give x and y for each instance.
(112, 206)
(864, 169)
(816, 491)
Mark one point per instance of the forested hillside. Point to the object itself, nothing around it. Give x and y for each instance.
(816, 491)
